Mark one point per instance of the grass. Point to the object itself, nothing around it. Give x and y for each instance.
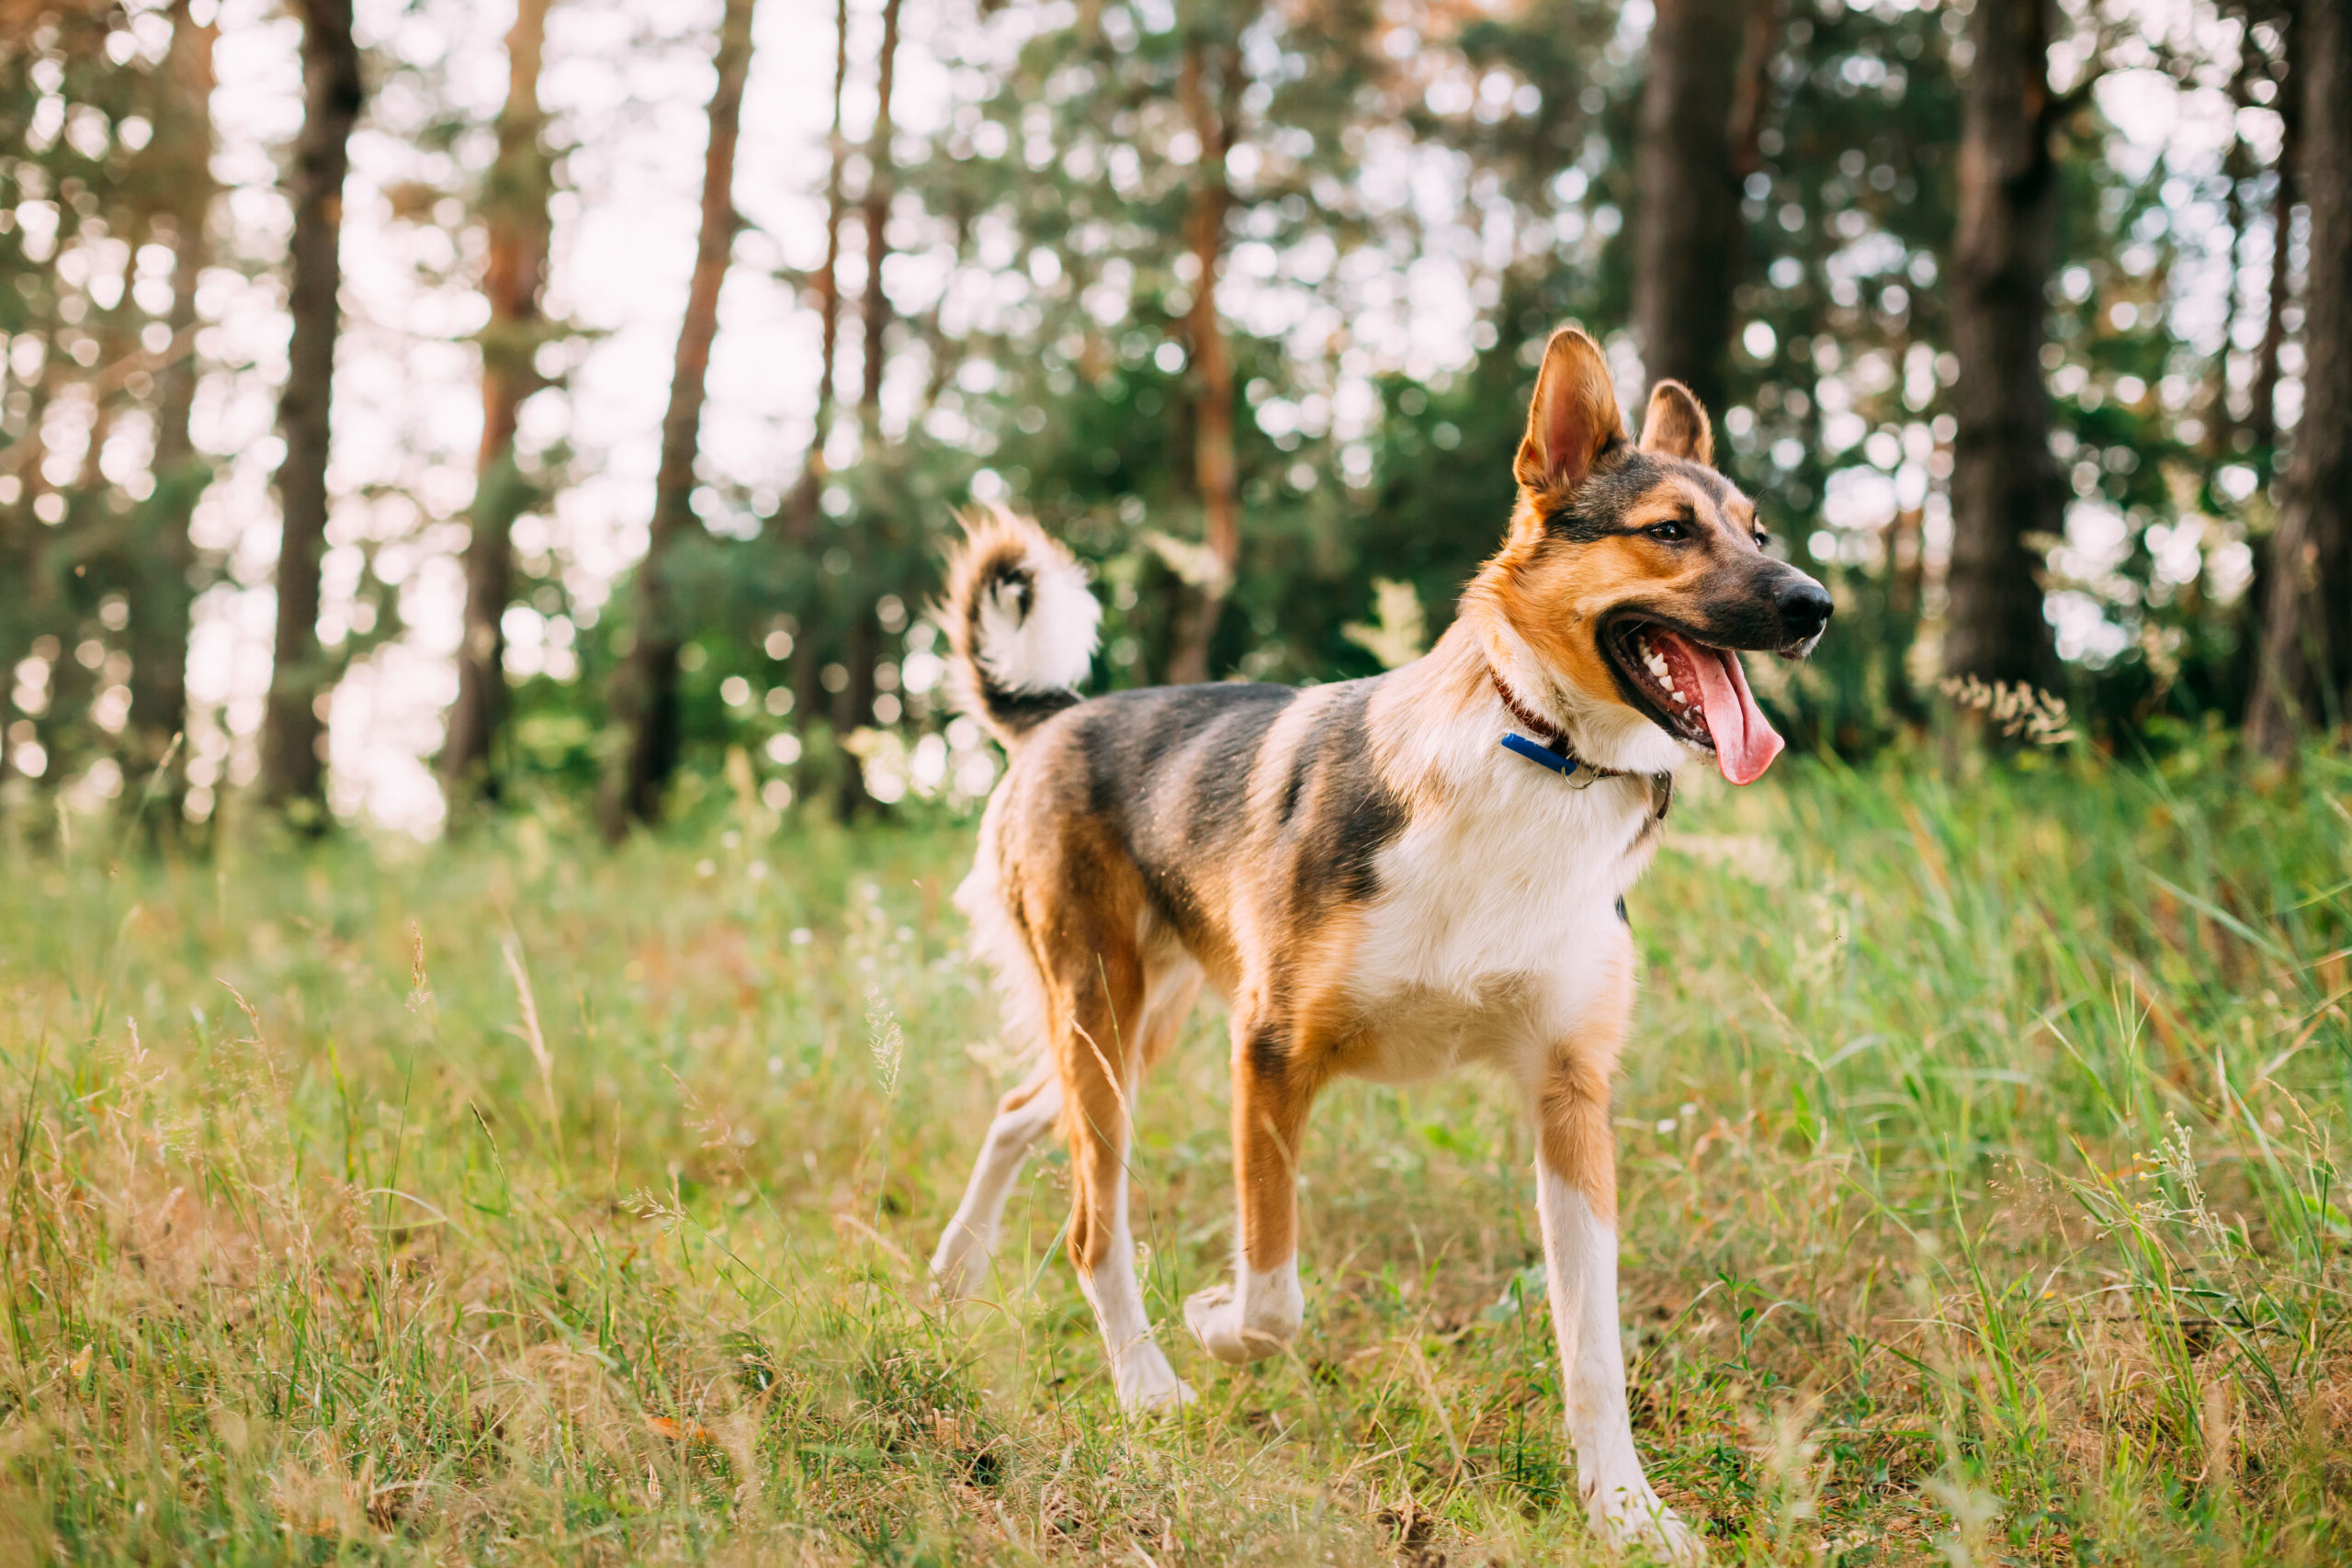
(509, 1201)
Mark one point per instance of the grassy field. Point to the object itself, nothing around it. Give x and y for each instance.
(509, 1201)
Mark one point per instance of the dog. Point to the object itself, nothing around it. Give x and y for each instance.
(1383, 878)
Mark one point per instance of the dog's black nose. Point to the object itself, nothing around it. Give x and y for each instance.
(1804, 607)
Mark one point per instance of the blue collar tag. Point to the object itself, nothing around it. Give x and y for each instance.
(1583, 775)
(1535, 751)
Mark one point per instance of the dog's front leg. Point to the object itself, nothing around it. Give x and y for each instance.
(1257, 1315)
(1576, 1193)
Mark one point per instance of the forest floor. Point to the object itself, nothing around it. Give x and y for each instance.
(509, 1201)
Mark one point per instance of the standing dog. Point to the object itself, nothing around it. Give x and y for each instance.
(1383, 878)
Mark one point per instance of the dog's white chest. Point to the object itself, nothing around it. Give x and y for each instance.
(1495, 923)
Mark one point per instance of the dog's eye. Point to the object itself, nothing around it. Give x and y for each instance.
(1669, 532)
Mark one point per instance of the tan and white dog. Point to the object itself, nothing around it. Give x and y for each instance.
(1383, 878)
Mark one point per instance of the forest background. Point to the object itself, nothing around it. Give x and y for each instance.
(509, 426)
(407, 407)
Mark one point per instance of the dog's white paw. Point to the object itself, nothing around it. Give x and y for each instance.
(1634, 1516)
(1147, 1384)
(959, 1266)
(1215, 1318)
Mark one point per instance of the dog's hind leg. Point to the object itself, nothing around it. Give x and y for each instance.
(1022, 1117)
(1575, 1193)
(961, 1261)
(1098, 1003)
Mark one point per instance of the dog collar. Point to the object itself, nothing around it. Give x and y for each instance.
(1550, 749)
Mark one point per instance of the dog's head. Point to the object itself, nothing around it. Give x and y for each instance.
(1632, 574)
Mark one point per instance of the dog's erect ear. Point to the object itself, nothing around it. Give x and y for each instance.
(1573, 418)
(1677, 426)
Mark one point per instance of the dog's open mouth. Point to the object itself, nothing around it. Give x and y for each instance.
(1694, 691)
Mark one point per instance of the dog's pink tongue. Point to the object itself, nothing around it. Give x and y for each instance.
(1746, 741)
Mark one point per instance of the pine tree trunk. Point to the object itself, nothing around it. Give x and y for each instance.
(801, 523)
(2006, 487)
(2262, 415)
(1215, 469)
(292, 771)
(161, 596)
(880, 184)
(803, 508)
(20, 543)
(516, 208)
(2305, 674)
(862, 643)
(645, 687)
(1700, 114)
(2237, 168)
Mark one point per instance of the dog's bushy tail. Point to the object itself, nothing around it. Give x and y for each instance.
(1021, 623)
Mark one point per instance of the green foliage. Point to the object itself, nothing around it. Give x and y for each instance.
(1050, 364)
(1063, 179)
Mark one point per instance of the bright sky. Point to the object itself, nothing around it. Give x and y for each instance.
(626, 82)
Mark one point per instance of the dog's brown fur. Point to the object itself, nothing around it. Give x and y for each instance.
(1281, 845)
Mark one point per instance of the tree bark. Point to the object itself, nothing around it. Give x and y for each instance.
(880, 184)
(2237, 168)
(516, 210)
(862, 645)
(2305, 673)
(802, 511)
(645, 687)
(292, 771)
(1210, 108)
(1701, 111)
(2262, 414)
(162, 598)
(2006, 487)
(803, 506)
(801, 518)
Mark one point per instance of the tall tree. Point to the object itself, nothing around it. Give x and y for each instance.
(800, 519)
(2237, 169)
(2262, 413)
(292, 771)
(2262, 401)
(853, 705)
(1208, 89)
(880, 185)
(1103, 190)
(2304, 676)
(2006, 486)
(645, 687)
(160, 594)
(1702, 108)
(515, 208)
